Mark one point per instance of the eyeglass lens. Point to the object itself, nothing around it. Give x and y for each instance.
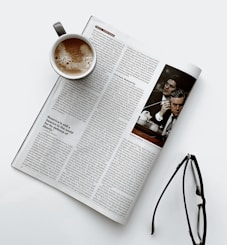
(194, 202)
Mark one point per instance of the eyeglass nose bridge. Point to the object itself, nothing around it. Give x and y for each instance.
(198, 192)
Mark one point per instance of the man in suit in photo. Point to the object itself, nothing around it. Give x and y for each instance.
(168, 116)
(160, 98)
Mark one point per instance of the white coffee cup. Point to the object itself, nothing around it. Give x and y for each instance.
(73, 56)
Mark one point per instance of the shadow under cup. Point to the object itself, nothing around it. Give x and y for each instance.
(73, 56)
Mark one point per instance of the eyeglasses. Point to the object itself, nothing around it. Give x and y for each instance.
(194, 201)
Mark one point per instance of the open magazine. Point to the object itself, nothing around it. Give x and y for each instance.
(96, 139)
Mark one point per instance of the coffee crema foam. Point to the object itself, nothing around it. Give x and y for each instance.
(73, 56)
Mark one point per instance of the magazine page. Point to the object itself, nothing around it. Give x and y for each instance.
(96, 139)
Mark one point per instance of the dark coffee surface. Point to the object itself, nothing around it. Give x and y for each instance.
(73, 56)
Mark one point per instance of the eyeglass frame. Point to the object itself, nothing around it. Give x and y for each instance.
(201, 206)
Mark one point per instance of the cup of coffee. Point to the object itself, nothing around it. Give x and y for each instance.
(72, 56)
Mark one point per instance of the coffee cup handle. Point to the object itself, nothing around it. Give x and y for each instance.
(59, 28)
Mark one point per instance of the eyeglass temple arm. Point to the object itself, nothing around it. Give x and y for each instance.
(177, 168)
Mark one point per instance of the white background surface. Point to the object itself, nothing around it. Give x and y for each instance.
(32, 213)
